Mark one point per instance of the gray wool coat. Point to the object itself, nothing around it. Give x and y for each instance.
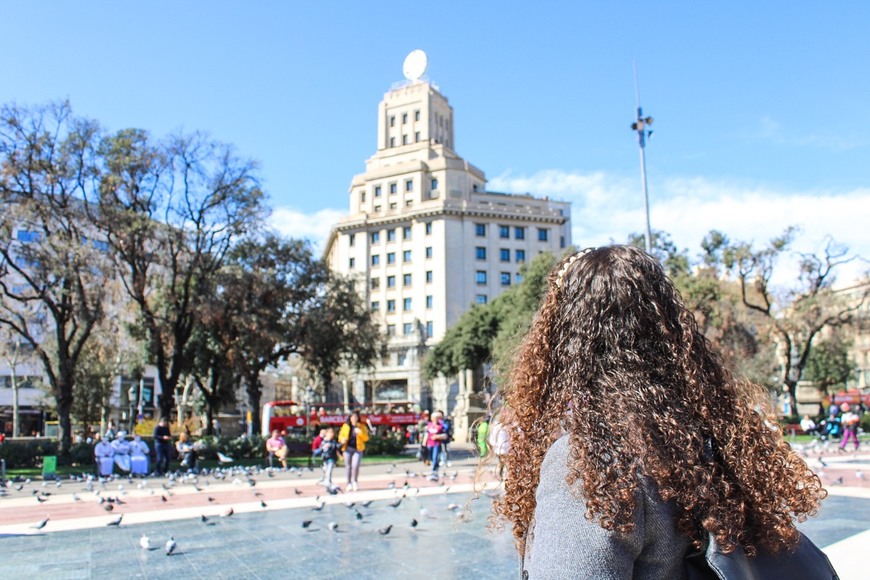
(562, 543)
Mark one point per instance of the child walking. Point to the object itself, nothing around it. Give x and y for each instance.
(329, 455)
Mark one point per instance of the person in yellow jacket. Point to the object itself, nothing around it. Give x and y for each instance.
(352, 437)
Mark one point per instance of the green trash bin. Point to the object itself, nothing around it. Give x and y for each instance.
(49, 467)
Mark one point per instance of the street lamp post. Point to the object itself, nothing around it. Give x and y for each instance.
(131, 396)
(640, 126)
(309, 397)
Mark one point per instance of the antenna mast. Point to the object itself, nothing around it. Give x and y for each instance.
(642, 134)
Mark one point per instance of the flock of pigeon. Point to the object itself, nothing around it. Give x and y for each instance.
(109, 492)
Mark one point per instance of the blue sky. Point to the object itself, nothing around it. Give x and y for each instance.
(760, 110)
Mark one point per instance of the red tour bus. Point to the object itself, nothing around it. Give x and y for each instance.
(283, 415)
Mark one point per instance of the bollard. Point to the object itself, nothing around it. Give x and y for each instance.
(2, 471)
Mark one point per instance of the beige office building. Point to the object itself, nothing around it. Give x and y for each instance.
(426, 241)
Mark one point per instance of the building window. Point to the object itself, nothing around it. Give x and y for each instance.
(376, 259)
(428, 252)
(429, 301)
(401, 357)
(406, 280)
(404, 139)
(362, 197)
(393, 206)
(391, 235)
(392, 121)
(434, 183)
(520, 233)
(519, 278)
(480, 277)
(391, 258)
(406, 233)
(408, 328)
(474, 187)
(416, 136)
(562, 242)
(480, 253)
(416, 115)
(351, 239)
(428, 228)
(543, 234)
(393, 188)
(428, 276)
(376, 237)
(391, 330)
(406, 304)
(391, 305)
(409, 202)
(392, 141)
(377, 191)
(377, 208)
(520, 255)
(504, 232)
(480, 229)
(409, 185)
(504, 255)
(505, 278)
(404, 118)
(430, 328)
(391, 281)
(480, 298)
(376, 306)
(351, 263)
(406, 256)
(375, 283)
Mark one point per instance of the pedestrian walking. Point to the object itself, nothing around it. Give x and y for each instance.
(850, 426)
(353, 437)
(436, 436)
(162, 446)
(329, 455)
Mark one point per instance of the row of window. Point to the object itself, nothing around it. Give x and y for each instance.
(504, 254)
(404, 118)
(504, 232)
(27, 237)
(394, 188)
(406, 280)
(391, 235)
(481, 278)
(406, 304)
(408, 329)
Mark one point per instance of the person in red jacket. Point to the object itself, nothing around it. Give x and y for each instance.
(315, 448)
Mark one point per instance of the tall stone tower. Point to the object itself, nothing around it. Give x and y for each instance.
(425, 241)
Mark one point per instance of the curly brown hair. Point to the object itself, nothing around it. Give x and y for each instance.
(615, 360)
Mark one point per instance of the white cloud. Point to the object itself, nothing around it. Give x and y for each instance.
(314, 227)
(606, 208)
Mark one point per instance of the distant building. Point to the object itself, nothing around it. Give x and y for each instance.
(425, 241)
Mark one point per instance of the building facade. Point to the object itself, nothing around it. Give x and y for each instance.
(425, 240)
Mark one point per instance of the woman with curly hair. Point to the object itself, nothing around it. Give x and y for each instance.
(629, 441)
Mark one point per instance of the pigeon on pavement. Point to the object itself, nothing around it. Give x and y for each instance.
(170, 546)
(41, 524)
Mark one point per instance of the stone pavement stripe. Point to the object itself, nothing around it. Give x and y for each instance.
(849, 556)
(170, 514)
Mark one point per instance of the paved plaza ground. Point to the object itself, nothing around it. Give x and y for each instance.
(450, 539)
